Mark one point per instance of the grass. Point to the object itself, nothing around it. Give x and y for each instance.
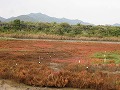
(6, 38)
(41, 35)
(109, 56)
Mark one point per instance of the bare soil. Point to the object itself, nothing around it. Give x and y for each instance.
(11, 85)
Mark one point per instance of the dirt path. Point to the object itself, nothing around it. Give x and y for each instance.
(94, 41)
(11, 85)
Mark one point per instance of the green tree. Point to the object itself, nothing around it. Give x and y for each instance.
(17, 24)
(75, 30)
(65, 27)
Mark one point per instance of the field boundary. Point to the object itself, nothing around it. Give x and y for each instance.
(63, 40)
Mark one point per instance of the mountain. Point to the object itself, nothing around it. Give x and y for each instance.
(22, 18)
(2, 19)
(39, 17)
(116, 24)
(45, 18)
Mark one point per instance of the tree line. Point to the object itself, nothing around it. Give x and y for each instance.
(61, 29)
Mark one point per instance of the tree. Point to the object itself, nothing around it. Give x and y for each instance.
(75, 30)
(17, 24)
(65, 27)
(58, 30)
(78, 24)
(42, 26)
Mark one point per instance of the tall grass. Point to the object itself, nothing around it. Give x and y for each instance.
(41, 35)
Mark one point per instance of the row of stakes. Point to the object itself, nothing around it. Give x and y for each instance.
(80, 62)
(39, 60)
(42, 58)
(50, 57)
(104, 59)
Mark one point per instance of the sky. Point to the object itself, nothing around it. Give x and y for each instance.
(99, 12)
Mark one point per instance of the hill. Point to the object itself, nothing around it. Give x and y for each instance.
(39, 17)
(116, 24)
(2, 19)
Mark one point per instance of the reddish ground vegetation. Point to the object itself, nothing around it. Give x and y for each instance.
(29, 62)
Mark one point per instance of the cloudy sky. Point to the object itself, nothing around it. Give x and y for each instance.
(92, 11)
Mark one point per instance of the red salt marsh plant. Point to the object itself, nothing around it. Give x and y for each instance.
(24, 66)
(33, 73)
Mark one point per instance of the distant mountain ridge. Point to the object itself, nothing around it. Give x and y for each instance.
(39, 17)
(2, 19)
(116, 24)
(22, 18)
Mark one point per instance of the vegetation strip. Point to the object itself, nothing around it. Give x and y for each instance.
(40, 30)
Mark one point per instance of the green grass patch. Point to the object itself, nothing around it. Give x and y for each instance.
(109, 56)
